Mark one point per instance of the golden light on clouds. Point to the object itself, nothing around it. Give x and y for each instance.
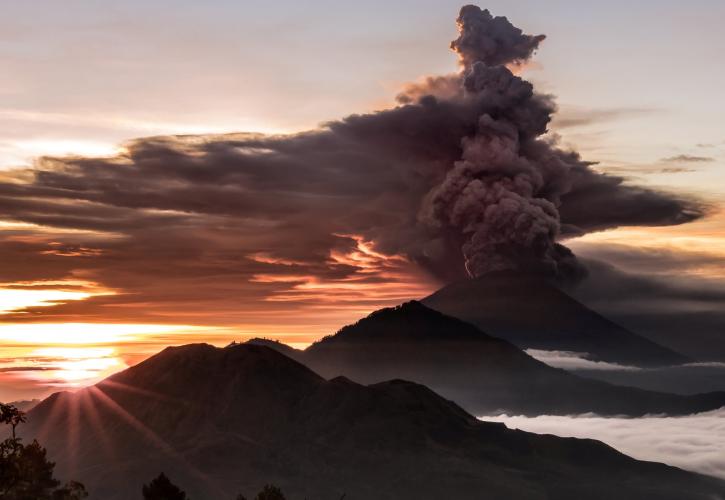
(15, 297)
(704, 238)
(395, 278)
(76, 366)
(55, 334)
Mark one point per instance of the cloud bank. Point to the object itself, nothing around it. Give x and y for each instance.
(458, 180)
(693, 442)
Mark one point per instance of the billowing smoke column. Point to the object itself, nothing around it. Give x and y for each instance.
(503, 194)
(491, 40)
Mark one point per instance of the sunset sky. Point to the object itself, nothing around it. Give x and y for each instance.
(94, 277)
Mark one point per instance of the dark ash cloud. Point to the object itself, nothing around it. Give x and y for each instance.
(491, 40)
(458, 180)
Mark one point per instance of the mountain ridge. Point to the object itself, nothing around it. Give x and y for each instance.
(484, 374)
(223, 420)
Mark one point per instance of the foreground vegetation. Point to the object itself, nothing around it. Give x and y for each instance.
(27, 474)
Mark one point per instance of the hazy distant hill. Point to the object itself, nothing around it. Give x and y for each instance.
(221, 421)
(530, 312)
(482, 373)
(26, 404)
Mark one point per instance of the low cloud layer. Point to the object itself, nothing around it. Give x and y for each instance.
(688, 378)
(458, 180)
(569, 360)
(693, 442)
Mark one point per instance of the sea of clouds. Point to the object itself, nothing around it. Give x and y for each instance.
(693, 442)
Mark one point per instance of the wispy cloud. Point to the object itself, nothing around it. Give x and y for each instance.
(569, 360)
(578, 116)
(687, 159)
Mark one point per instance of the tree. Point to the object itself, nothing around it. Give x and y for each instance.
(25, 471)
(270, 492)
(162, 488)
(10, 415)
(73, 490)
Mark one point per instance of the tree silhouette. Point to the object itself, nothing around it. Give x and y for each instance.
(73, 490)
(10, 415)
(25, 471)
(162, 488)
(270, 492)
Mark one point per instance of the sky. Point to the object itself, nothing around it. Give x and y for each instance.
(89, 286)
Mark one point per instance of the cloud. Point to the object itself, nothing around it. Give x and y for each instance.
(688, 378)
(693, 442)
(569, 360)
(688, 159)
(366, 211)
(26, 368)
(672, 296)
(571, 117)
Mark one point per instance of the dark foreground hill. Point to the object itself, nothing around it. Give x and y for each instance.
(223, 421)
(481, 373)
(530, 312)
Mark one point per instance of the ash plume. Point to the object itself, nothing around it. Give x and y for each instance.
(458, 180)
(491, 40)
(503, 194)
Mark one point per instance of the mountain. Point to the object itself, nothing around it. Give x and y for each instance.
(223, 421)
(532, 313)
(24, 405)
(484, 374)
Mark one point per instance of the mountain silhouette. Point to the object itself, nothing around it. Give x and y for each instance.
(219, 421)
(482, 373)
(532, 313)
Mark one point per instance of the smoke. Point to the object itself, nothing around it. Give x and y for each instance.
(459, 179)
(503, 194)
(491, 40)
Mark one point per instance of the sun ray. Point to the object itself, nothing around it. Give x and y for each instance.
(154, 438)
(91, 412)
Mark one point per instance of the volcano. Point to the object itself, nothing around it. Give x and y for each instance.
(220, 421)
(482, 373)
(533, 313)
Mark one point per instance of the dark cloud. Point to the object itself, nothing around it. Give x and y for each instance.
(652, 293)
(457, 179)
(687, 159)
